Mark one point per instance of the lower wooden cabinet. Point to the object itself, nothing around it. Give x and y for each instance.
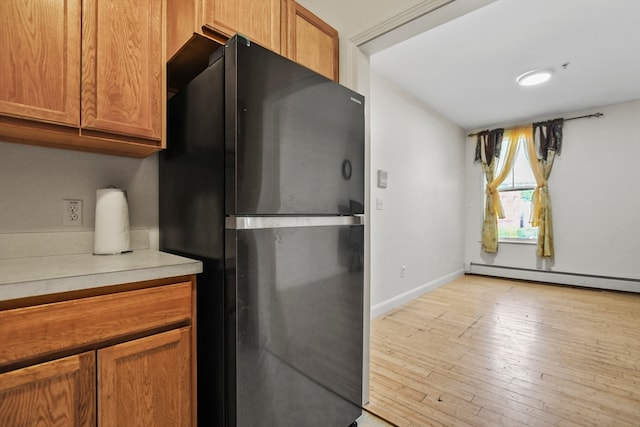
(117, 359)
(56, 393)
(147, 380)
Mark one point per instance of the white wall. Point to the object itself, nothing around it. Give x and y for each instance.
(421, 225)
(35, 180)
(596, 207)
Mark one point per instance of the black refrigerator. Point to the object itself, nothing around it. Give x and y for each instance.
(263, 180)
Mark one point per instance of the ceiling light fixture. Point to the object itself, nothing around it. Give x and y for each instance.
(534, 77)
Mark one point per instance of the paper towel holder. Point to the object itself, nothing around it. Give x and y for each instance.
(111, 235)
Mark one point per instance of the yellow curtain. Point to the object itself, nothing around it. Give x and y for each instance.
(541, 208)
(493, 206)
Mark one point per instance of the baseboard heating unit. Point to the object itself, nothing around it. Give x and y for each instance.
(559, 277)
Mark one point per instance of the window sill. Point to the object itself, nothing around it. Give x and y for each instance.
(519, 241)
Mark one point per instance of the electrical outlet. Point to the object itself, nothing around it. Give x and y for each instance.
(71, 212)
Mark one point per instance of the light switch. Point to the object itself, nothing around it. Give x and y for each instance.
(379, 204)
(382, 178)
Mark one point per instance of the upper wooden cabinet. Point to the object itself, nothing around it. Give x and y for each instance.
(83, 74)
(181, 23)
(283, 26)
(122, 66)
(310, 41)
(259, 20)
(40, 66)
(90, 75)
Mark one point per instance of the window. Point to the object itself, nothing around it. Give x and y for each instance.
(516, 195)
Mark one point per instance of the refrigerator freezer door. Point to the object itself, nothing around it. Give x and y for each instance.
(296, 325)
(297, 138)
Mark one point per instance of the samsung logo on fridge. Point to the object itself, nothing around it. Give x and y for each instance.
(357, 101)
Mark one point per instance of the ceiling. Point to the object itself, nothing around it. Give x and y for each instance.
(466, 68)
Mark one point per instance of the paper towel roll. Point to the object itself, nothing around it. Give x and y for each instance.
(112, 222)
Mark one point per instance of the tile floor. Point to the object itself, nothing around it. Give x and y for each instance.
(370, 420)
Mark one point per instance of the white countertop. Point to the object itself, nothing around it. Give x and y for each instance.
(26, 277)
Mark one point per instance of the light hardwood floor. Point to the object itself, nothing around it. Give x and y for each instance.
(369, 420)
(491, 352)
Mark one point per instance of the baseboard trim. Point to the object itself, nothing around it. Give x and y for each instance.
(388, 305)
(558, 277)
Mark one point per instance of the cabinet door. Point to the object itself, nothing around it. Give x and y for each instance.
(180, 24)
(146, 381)
(257, 19)
(122, 67)
(40, 66)
(311, 42)
(57, 393)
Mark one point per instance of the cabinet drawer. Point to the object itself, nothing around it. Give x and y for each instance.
(46, 329)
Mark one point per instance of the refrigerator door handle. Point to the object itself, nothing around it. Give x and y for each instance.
(258, 222)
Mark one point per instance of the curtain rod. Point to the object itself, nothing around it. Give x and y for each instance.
(588, 116)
